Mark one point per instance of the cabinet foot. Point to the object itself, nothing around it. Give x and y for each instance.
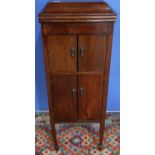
(56, 148)
(100, 147)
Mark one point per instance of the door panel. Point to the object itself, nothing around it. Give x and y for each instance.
(91, 52)
(62, 50)
(90, 89)
(64, 97)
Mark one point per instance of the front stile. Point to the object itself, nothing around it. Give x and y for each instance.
(51, 108)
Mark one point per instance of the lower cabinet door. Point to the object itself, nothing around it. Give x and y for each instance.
(64, 97)
(90, 88)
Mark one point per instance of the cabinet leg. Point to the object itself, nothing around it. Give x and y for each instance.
(54, 138)
(101, 133)
(53, 131)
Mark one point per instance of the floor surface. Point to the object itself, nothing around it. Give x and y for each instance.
(77, 139)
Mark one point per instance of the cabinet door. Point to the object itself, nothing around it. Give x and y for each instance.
(90, 89)
(62, 53)
(64, 97)
(91, 54)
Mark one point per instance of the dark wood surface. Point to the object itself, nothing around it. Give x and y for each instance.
(78, 8)
(82, 28)
(77, 12)
(90, 99)
(94, 49)
(77, 82)
(64, 96)
(60, 53)
(49, 90)
(105, 84)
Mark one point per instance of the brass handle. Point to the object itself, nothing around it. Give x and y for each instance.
(72, 52)
(73, 92)
(81, 91)
(81, 51)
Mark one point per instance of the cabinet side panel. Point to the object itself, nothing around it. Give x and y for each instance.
(107, 71)
(105, 85)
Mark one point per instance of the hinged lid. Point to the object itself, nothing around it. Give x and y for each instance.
(77, 12)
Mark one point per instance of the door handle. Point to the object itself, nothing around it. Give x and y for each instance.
(73, 92)
(82, 51)
(72, 50)
(81, 91)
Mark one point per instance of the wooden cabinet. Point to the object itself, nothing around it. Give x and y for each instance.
(77, 39)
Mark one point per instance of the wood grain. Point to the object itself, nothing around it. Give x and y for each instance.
(89, 104)
(59, 53)
(65, 104)
(49, 90)
(94, 49)
(105, 90)
(76, 28)
(77, 12)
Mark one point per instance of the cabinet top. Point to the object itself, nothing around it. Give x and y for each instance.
(73, 12)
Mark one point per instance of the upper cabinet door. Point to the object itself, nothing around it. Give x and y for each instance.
(62, 53)
(91, 52)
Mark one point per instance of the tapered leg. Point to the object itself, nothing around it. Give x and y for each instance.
(101, 133)
(53, 130)
(55, 139)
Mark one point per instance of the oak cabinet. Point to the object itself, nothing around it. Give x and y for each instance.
(77, 39)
